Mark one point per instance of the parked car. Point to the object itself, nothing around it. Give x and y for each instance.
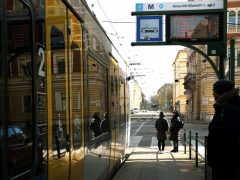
(19, 150)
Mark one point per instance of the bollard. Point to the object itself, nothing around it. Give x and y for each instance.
(190, 145)
(196, 151)
(185, 142)
(205, 155)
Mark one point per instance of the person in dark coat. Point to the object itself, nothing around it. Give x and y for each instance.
(174, 129)
(95, 125)
(223, 142)
(161, 126)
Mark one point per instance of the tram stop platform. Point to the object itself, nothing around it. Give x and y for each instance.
(148, 163)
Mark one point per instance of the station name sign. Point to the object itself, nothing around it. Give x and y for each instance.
(177, 6)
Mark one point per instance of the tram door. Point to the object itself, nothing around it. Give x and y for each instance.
(22, 93)
(114, 109)
(65, 92)
(76, 97)
(57, 90)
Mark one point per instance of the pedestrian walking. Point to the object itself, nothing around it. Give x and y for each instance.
(223, 143)
(174, 129)
(161, 126)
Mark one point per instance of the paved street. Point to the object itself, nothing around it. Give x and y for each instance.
(146, 162)
(143, 132)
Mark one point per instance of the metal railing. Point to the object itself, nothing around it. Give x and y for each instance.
(195, 147)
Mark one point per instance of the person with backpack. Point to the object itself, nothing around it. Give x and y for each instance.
(161, 126)
(176, 125)
(223, 142)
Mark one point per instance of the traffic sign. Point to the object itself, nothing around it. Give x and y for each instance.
(149, 28)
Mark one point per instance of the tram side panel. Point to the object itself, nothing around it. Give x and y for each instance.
(57, 90)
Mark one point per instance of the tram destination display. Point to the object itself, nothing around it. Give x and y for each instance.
(194, 27)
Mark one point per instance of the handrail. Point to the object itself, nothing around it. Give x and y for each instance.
(196, 149)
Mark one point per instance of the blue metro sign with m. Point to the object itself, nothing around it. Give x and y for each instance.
(149, 28)
(149, 7)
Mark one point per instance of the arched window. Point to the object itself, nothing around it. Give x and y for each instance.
(232, 18)
(238, 18)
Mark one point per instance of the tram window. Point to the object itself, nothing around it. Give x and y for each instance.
(97, 95)
(18, 84)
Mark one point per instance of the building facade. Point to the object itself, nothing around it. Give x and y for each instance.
(200, 75)
(165, 96)
(180, 71)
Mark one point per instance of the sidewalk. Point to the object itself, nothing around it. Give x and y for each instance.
(196, 122)
(148, 163)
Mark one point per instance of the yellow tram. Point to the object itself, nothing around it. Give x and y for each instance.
(63, 91)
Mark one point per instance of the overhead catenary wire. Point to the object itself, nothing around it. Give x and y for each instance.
(120, 22)
(109, 22)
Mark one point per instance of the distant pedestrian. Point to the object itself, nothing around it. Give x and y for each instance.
(174, 129)
(161, 126)
(223, 144)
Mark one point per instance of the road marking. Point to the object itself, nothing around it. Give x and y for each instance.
(201, 149)
(139, 128)
(154, 143)
(135, 140)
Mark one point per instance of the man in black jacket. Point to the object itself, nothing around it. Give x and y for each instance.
(223, 146)
(174, 129)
